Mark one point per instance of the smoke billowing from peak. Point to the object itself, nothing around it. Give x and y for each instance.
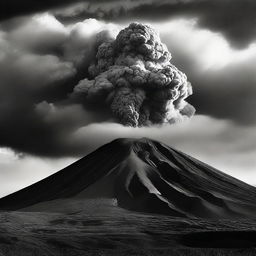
(132, 75)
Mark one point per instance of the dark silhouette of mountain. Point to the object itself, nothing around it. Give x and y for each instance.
(141, 175)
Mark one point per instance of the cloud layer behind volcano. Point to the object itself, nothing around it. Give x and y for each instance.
(133, 76)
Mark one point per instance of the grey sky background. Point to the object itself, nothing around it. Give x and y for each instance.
(45, 50)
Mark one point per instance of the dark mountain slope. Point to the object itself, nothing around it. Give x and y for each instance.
(145, 176)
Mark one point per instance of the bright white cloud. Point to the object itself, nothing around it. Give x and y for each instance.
(81, 41)
(38, 32)
(18, 172)
(90, 27)
(212, 49)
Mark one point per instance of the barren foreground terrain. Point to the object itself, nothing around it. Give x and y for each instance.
(115, 231)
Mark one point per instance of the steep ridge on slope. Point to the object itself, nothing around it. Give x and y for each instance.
(146, 176)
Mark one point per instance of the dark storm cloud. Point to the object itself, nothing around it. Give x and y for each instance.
(230, 93)
(13, 8)
(235, 19)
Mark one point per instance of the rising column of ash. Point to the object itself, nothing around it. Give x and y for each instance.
(133, 76)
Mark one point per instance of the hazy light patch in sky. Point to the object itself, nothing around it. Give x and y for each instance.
(49, 21)
(214, 51)
(18, 172)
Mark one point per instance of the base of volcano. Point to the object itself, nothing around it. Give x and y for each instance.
(100, 227)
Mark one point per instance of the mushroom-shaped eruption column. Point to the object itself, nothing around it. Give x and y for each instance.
(132, 74)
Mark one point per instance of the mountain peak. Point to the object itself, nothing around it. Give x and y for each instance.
(132, 141)
(138, 145)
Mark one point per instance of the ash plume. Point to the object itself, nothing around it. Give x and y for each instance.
(132, 75)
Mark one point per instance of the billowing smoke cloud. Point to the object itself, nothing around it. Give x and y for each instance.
(133, 76)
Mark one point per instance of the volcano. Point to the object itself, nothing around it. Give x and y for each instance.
(139, 175)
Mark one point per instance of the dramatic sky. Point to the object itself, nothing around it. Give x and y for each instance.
(46, 48)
